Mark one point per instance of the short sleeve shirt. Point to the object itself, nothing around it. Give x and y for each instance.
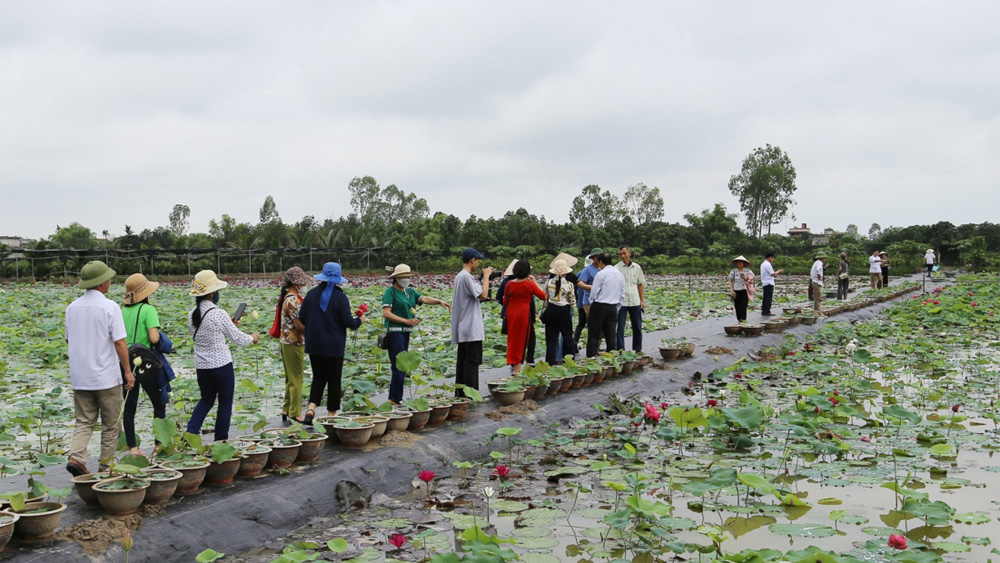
(738, 283)
(874, 265)
(845, 267)
(401, 304)
(929, 258)
(587, 277)
(93, 324)
(633, 279)
(148, 318)
(565, 296)
(466, 315)
(816, 273)
(290, 309)
(766, 273)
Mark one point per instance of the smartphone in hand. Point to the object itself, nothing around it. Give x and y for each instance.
(239, 312)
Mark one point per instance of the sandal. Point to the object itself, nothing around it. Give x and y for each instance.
(310, 414)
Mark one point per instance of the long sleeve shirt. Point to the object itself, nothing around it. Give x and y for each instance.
(608, 287)
(326, 331)
(210, 348)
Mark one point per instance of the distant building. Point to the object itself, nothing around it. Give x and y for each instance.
(817, 239)
(802, 231)
(15, 242)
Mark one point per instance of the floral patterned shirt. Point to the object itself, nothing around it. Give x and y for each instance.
(289, 312)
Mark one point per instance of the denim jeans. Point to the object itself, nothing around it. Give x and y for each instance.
(217, 382)
(635, 314)
(398, 342)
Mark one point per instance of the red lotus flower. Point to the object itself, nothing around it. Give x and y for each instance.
(502, 471)
(636, 424)
(364, 309)
(652, 413)
(738, 375)
(664, 405)
(834, 400)
(936, 302)
(866, 439)
(397, 540)
(426, 475)
(816, 410)
(954, 408)
(836, 393)
(974, 304)
(897, 541)
(712, 402)
(792, 353)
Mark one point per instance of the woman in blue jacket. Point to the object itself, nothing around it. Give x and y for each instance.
(326, 314)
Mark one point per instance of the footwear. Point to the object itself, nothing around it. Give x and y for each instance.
(765, 314)
(76, 468)
(310, 415)
(284, 417)
(294, 420)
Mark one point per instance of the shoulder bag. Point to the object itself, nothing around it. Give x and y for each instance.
(149, 364)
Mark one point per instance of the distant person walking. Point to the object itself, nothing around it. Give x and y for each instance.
(884, 267)
(843, 276)
(929, 260)
(143, 327)
(606, 295)
(519, 293)
(210, 327)
(292, 340)
(738, 284)
(635, 298)
(586, 276)
(875, 270)
(816, 280)
(767, 273)
(467, 319)
(326, 314)
(98, 363)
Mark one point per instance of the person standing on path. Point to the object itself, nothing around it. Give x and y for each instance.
(561, 298)
(586, 276)
(884, 267)
(634, 303)
(606, 296)
(467, 320)
(399, 311)
(843, 276)
(875, 270)
(518, 300)
(293, 341)
(326, 314)
(98, 364)
(816, 280)
(929, 260)
(767, 273)
(739, 282)
(143, 327)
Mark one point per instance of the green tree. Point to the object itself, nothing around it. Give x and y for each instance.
(643, 204)
(269, 211)
(714, 224)
(852, 230)
(594, 207)
(764, 187)
(875, 231)
(75, 236)
(179, 219)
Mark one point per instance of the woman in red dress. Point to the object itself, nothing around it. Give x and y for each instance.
(517, 298)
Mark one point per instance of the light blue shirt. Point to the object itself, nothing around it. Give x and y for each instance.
(587, 277)
(608, 287)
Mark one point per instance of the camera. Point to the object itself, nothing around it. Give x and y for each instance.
(497, 274)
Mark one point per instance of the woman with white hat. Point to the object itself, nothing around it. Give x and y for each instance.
(210, 327)
(929, 260)
(142, 326)
(739, 280)
(399, 303)
(559, 312)
(326, 314)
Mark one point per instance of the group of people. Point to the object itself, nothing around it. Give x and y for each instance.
(314, 322)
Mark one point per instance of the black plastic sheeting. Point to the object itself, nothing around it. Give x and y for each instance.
(245, 515)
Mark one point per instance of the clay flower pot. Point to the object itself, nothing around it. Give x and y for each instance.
(506, 398)
(356, 434)
(670, 354)
(84, 485)
(311, 448)
(283, 452)
(459, 408)
(34, 526)
(598, 376)
(162, 485)
(380, 424)
(578, 380)
(398, 421)
(222, 473)
(121, 497)
(733, 330)
(753, 330)
(567, 382)
(627, 367)
(7, 521)
(555, 385)
(588, 378)
(192, 471)
(254, 460)
(418, 420)
(689, 350)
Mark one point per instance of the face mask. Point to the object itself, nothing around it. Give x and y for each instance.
(403, 282)
(215, 298)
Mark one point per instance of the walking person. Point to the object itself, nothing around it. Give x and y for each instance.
(99, 368)
(875, 270)
(738, 282)
(399, 302)
(816, 280)
(467, 320)
(518, 296)
(767, 273)
(606, 295)
(884, 267)
(326, 315)
(586, 276)
(635, 298)
(843, 276)
(210, 327)
(929, 260)
(560, 301)
(292, 341)
(142, 325)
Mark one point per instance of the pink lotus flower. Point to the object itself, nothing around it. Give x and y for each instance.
(792, 353)
(664, 405)
(652, 413)
(502, 471)
(712, 402)
(897, 541)
(397, 540)
(866, 439)
(834, 400)
(974, 304)
(936, 302)
(426, 475)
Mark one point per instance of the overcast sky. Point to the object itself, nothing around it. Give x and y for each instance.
(112, 112)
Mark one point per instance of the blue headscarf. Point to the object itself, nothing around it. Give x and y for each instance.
(330, 275)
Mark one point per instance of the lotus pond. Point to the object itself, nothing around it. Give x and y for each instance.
(871, 442)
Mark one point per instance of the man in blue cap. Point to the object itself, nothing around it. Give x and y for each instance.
(467, 320)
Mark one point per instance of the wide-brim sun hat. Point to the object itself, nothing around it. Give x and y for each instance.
(297, 276)
(510, 268)
(93, 274)
(740, 258)
(206, 282)
(137, 288)
(930, 250)
(402, 271)
(819, 255)
(883, 253)
(559, 267)
(571, 260)
(595, 252)
(331, 273)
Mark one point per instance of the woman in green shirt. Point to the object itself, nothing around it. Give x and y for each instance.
(399, 304)
(142, 326)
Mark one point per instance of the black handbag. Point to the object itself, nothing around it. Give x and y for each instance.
(149, 364)
(383, 341)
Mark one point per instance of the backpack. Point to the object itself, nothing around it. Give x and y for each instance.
(149, 363)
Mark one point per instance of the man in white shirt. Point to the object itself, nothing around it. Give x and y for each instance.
(767, 274)
(816, 280)
(929, 260)
(635, 299)
(95, 333)
(606, 296)
(875, 270)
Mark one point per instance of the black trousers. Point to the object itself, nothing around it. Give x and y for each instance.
(560, 322)
(842, 285)
(603, 321)
(765, 308)
(930, 268)
(326, 373)
(152, 389)
(529, 345)
(740, 304)
(885, 277)
(582, 314)
(470, 356)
